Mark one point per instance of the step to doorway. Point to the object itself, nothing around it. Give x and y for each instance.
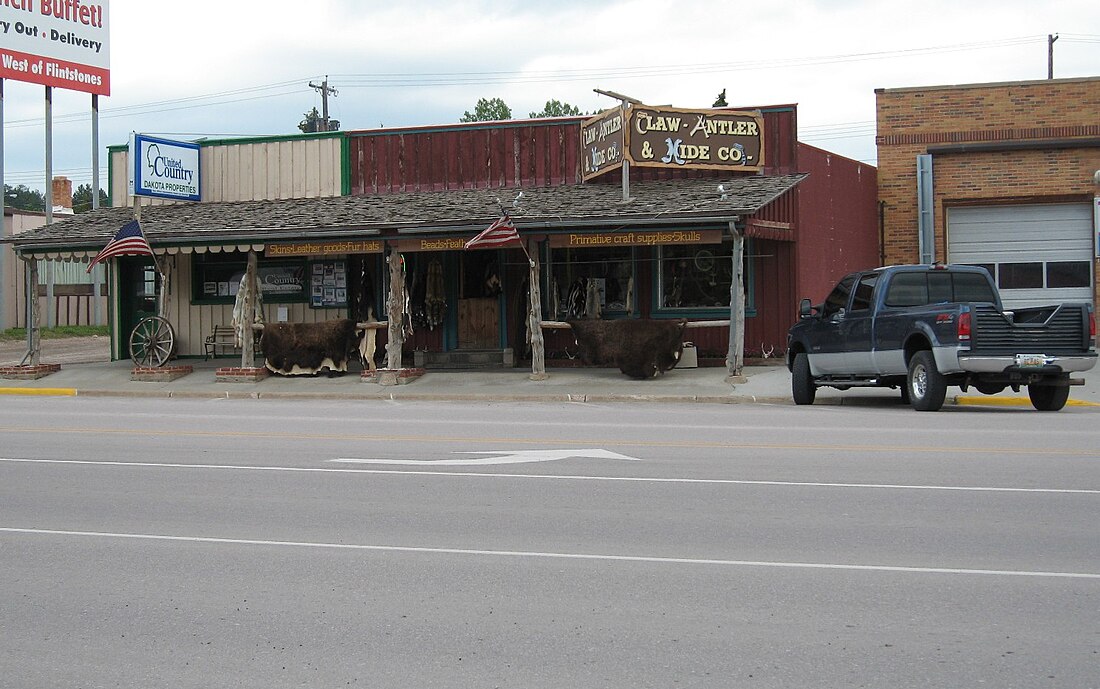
(466, 359)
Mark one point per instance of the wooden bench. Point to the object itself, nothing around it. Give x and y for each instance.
(223, 338)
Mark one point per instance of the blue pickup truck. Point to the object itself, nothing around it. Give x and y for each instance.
(923, 328)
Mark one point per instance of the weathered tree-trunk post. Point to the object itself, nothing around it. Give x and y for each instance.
(34, 341)
(735, 357)
(534, 315)
(163, 266)
(395, 311)
(248, 315)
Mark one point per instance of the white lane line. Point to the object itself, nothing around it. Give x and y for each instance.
(560, 477)
(555, 556)
(497, 457)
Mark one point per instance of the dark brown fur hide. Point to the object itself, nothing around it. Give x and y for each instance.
(306, 348)
(639, 348)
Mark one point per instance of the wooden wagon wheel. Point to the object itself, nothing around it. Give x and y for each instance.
(153, 342)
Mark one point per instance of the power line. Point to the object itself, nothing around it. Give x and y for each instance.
(435, 79)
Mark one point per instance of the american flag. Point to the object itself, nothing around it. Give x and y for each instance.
(496, 235)
(128, 241)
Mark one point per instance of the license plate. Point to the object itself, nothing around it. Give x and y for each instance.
(1031, 360)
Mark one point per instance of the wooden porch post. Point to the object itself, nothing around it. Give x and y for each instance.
(34, 336)
(534, 315)
(248, 317)
(395, 311)
(735, 357)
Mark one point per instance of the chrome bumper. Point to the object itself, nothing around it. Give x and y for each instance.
(978, 363)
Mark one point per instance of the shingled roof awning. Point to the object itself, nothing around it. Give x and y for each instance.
(201, 227)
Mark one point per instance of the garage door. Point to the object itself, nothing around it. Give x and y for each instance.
(1038, 254)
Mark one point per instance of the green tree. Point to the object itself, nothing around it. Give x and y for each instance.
(487, 111)
(82, 198)
(556, 108)
(720, 102)
(313, 122)
(24, 199)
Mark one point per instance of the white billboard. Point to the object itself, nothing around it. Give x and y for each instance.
(164, 169)
(60, 43)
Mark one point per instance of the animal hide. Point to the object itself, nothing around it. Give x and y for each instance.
(639, 348)
(295, 349)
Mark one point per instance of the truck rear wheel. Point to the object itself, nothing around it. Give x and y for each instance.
(803, 389)
(1048, 397)
(927, 386)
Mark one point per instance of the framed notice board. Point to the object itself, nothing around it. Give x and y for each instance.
(328, 284)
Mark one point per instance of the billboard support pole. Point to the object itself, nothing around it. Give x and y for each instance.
(96, 281)
(49, 155)
(3, 199)
(95, 151)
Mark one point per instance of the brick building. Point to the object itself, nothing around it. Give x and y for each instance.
(1001, 175)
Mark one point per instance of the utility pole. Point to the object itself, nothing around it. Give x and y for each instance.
(324, 89)
(1051, 38)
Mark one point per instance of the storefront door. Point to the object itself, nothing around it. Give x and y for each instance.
(138, 284)
(480, 300)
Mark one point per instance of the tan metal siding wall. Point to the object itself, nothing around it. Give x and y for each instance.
(304, 168)
(193, 322)
(301, 168)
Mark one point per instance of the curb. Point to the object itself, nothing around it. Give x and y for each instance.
(993, 401)
(53, 392)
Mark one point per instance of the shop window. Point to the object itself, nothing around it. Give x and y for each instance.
(1069, 274)
(217, 277)
(1020, 275)
(591, 282)
(696, 277)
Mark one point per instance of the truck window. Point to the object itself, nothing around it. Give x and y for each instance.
(838, 298)
(908, 289)
(940, 290)
(865, 290)
(973, 287)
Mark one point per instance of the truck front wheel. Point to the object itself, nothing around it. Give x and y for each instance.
(1048, 397)
(802, 383)
(927, 386)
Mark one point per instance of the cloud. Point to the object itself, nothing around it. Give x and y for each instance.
(404, 64)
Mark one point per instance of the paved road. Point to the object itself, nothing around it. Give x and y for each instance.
(191, 543)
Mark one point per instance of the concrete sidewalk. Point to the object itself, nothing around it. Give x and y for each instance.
(765, 383)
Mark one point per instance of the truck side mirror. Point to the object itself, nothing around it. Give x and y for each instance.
(804, 309)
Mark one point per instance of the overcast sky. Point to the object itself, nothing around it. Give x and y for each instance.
(206, 68)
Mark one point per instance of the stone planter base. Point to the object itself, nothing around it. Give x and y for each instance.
(28, 372)
(392, 376)
(229, 374)
(159, 374)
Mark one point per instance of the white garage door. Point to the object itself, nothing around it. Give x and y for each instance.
(1038, 254)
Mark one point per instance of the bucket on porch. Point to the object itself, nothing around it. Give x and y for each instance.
(689, 358)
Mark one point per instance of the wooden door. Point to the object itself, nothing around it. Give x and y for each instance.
(479, 323)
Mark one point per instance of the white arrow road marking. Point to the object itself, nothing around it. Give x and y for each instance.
(501, 457)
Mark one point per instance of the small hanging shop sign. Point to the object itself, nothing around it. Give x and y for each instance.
(331, 248)
(577, 240)
(603, 143)
(696, 139)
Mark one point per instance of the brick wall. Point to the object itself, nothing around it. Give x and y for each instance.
(914, 121)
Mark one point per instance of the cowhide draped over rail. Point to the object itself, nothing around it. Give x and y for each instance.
(294, 349)
(639, 348)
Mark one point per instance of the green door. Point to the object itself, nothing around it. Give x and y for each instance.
(138, 286)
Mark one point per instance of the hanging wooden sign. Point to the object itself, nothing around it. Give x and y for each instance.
(603, 143)
(695, 139)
